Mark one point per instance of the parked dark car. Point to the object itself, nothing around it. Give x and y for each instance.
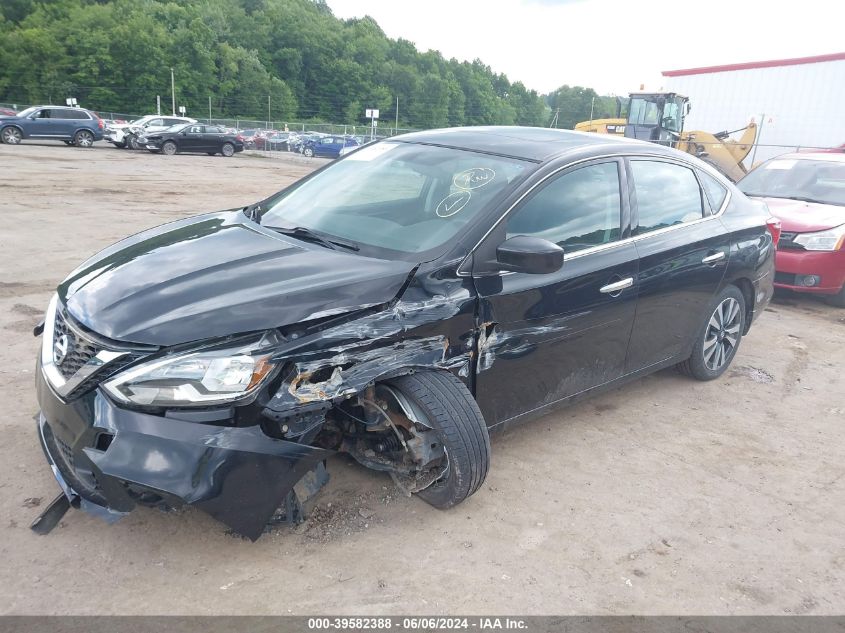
(396, 305)
(74, 126)
(806, 192)
(329, 146)
(193, 137)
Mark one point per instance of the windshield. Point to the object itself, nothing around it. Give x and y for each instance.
(673, 114)
(398, 196)
(803, 179)
(27, 112)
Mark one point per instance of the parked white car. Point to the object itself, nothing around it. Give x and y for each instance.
(126, 135)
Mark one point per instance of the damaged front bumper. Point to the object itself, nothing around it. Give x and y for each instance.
(107, 460)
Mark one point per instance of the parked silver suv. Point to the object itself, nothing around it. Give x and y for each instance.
(126, 135)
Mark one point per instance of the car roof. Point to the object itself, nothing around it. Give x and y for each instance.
(538, 144)
(832, 157)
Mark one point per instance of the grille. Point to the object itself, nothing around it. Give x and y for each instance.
(80, 349)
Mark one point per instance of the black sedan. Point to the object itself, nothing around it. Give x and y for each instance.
(193, 138)
(397, 305)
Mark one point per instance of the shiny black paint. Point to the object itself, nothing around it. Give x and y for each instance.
(522, 343)
(237, 475)
(217, 275)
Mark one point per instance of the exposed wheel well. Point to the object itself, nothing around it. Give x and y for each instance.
(747, 289)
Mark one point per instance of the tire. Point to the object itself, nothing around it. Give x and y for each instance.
(228, 150)
(453, 414)
(131, 141)
(11, 135)
(713, 352)
(83, 138)
(120, 145)
(837, 300)
(308, 152)
(168, 148)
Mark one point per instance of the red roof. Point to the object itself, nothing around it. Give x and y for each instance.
(749, 65)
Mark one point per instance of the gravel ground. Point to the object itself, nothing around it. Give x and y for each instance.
(665, 496)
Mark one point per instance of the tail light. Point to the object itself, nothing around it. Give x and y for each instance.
(100, 123)
(773, 224)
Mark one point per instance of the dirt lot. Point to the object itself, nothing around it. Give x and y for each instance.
(666, 496)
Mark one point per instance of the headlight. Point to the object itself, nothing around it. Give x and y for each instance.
(201, 378)
(829, 240)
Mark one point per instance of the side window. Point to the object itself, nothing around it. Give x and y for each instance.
(327, 141)
(577, 210)
(195, 129)
(154, 122)
(46, 113)
(667, 194)
(716, 191)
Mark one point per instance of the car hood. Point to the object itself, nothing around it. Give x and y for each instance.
(216, 275)
(800, 217)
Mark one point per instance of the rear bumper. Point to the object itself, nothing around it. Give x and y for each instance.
(107, 460)
(829, 266)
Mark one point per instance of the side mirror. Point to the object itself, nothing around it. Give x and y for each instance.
(689, 107)
(533, 255)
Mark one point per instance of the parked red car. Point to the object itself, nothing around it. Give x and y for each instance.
(806, 192)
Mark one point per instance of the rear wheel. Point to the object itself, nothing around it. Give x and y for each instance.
(83, 138)
(168, 148)
(228, 150)
(442, 403)
(718, 338)
(11, 135)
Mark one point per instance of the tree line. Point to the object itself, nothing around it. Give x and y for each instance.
(116, 55)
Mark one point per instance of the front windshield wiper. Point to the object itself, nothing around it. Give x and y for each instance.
(304, 233)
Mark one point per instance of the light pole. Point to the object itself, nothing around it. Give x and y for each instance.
(173, 92)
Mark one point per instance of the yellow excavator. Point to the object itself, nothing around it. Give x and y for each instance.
(659, 117)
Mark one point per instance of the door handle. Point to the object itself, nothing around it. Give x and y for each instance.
(617, 286)
(715, 257)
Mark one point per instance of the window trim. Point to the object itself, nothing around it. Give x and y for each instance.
(464, 269)
(706, 211)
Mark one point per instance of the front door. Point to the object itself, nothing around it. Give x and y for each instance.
(550, 336)
(195, 140)
(46, 123)
(683, 251)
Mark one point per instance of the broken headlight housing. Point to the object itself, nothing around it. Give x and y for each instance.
(199, 378)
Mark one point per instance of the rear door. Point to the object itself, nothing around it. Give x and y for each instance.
(550, 336)
(683, 250)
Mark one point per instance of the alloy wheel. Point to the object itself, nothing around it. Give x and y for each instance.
(722, 334)
(84, 139)
(12, 136)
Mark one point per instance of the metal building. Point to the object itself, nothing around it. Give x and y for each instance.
(798, 102)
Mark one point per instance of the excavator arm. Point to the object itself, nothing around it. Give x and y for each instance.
(720, 150)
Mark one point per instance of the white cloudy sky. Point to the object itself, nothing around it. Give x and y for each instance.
(609, 45)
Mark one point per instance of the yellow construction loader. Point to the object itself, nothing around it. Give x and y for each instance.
(659, 117)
